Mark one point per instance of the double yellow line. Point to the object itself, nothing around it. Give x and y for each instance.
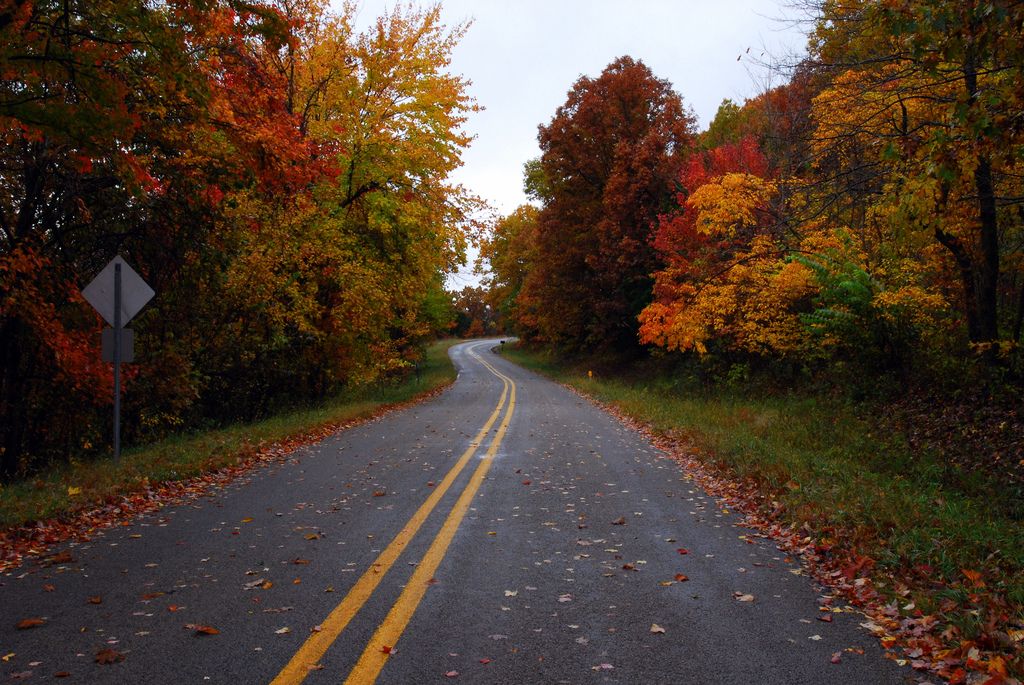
(390, 630)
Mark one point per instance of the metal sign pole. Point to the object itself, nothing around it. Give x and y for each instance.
(130, 294)
(117, 363)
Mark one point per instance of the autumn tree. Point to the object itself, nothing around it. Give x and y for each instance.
(725, 281)
(379, 227)
(609, 159)
(506, 256)
(926, 95)
(764, 257)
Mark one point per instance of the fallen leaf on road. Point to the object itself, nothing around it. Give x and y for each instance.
(312, 536)
(655, 628)
(201, 629)
(379, 493)
(451, 674)
(621, 521)
(247, 519)
(511, 593)
(683, 550)
(7, 657)
(152, 595)
(108, 656)
(485, 661)
(814, 637)
(27, 623)
(602, 667)
(836, 658)
(681, 578)
(565, 598)
(48, 587)
(825, 618)
(283, 631)
(62, 674)
(300, 562)
(740, 597)
(95, 599)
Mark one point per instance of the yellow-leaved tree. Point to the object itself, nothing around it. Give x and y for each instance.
(749, 298)
(347, 275)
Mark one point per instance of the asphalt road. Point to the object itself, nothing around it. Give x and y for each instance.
(506, 531)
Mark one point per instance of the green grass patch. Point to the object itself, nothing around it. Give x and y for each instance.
(827, 462)
(49, 494)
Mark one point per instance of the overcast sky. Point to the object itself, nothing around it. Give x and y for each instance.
(523, 56)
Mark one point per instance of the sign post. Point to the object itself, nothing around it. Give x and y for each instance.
(118, 294)
(117, 362)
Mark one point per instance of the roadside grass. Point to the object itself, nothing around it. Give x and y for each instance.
(922, 521)
(67, 488)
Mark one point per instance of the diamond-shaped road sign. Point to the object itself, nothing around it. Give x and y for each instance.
(135, 293)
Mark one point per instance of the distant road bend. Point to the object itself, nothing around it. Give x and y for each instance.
(506, 531)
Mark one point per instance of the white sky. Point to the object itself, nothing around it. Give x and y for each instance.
(523, 56)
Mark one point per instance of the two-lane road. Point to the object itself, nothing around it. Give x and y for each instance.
(506, 531)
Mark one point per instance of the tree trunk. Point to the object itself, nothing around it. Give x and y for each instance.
(1019, 319)
(986, 268)
(12, 400)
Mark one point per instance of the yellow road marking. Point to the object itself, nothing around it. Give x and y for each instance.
(316, 645)
(313, 649)
(390, 630)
